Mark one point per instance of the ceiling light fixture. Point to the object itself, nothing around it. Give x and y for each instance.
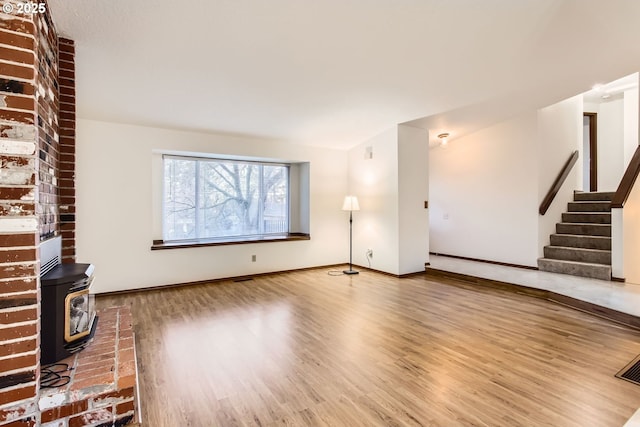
(444, 139)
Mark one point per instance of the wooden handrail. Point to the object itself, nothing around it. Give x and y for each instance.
(628, 179)
(562, 176)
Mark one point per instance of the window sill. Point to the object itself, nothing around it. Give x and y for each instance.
(196, 243)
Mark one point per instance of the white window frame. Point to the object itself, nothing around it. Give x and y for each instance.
(232, 238)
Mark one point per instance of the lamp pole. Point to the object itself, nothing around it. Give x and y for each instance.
(350, 270)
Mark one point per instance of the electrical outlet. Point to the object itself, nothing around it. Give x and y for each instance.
(369, 253)
(253, 258)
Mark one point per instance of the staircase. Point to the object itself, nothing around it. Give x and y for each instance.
(582, 243)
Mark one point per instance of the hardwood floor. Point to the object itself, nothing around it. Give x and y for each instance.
(306, 348)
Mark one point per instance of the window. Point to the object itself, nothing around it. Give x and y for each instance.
(223, 199)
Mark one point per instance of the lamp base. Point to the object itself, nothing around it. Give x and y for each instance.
(350, 272)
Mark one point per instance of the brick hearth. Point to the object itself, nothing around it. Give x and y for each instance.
(102, 389)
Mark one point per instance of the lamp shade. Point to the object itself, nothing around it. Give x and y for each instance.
(350, 204)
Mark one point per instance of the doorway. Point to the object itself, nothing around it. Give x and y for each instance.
(590, 150)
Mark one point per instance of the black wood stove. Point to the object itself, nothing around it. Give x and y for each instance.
(69, 319)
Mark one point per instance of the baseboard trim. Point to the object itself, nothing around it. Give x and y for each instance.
(486, 261)
(397, 276)
(618, 279)
(587, 307)
(218, 280)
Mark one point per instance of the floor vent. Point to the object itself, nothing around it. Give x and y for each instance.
(631, 372)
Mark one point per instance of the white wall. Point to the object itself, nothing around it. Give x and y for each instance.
(625, 223)
(559, 135)
(391, 187)
(413, 191)
(115, 208)
(375, 182)
(631, 125)
(610, 144)
(484, 194)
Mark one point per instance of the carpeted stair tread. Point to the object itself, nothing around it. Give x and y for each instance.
(596, 256)
(587, 217)
(589, 207)
(583, 229)
(575, 268)
(593, 196)
(581, 241)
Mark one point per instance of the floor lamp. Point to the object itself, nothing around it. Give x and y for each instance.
(350, 204)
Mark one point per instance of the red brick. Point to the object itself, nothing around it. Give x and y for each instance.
(67, 73)
(68, 235)
(15, 271)
(19, 193)
(17, 116)
(20, 102)
(7, 318)
(14, 412)
(103, 379)
(66, 82)
(127, 381)
(105, 358)
(17, 25)
(17, 394)
(18, 255)
(68, 226)
(19, 209)
(16, 71)
(67, 124)
(16, 40)
(68, 132)
(67, 116)
(125, 343)
(25, 422)
(11, 240)
(23, 285)
(68, 91)
(125, 407)
(90, 418)
(121, 394)
(20, 362)
(66, 183)
(67, 174)
(64, 411)
(66, 46)
(68, 251)
(24, 88)
(65, 61)
(17, 332)
(18, 347)
(15, 55)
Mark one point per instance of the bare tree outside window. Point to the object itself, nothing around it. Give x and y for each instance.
(206, 198)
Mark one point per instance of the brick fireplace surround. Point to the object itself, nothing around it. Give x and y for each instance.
(37, 202)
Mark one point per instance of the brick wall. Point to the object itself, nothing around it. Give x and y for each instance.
(67, 125)
(47, 121)
(19, 234)
(37, 149)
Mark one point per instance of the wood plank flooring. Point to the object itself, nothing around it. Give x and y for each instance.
(310, 349)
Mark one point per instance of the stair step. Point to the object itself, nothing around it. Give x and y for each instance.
(583, 229)
(595, 256)
(589, 206)
(584, 269)
(581, 241)
(590, 196)
(587, 217)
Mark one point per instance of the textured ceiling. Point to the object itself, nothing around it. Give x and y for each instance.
(336, 72)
